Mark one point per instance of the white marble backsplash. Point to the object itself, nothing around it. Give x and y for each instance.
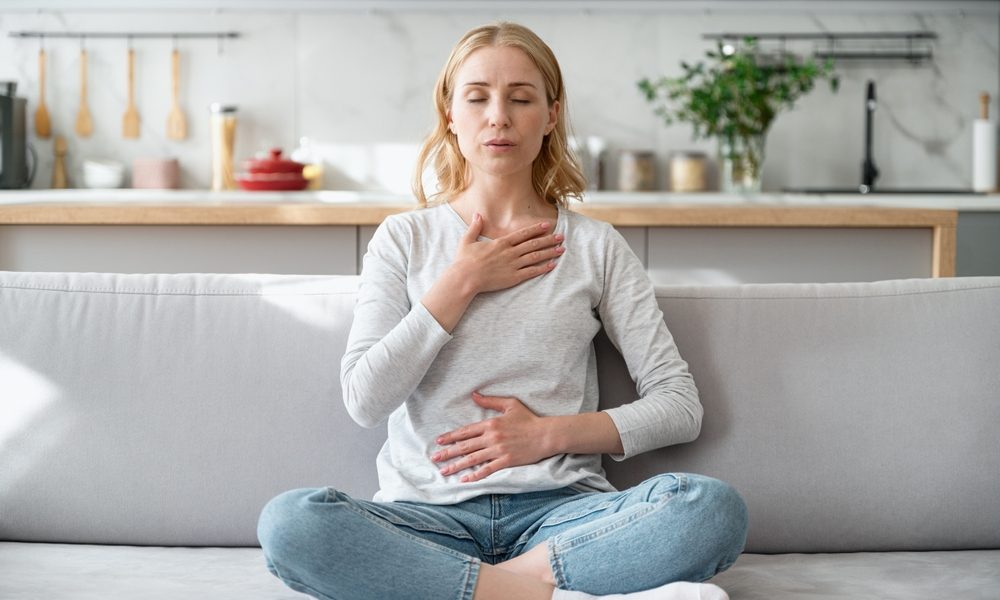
(359, 85)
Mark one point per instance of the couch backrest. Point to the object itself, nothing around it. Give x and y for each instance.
(167, 409)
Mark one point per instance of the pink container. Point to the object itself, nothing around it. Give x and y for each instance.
(155, 173)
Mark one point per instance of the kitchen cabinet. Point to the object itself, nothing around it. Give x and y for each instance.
(679, 244)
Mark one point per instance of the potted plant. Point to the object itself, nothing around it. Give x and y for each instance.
(735, 98)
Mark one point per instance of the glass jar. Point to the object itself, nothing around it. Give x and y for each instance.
(688, 172)
(637, 171)
(223, 131)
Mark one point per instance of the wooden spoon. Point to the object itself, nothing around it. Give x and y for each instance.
(176, 125)
(84, 123)
(130, 122)
(43, 127)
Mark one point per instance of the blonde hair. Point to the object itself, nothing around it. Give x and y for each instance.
(555, 174)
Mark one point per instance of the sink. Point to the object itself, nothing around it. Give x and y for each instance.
(864, 190)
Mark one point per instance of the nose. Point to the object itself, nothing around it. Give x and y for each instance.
(498, 115)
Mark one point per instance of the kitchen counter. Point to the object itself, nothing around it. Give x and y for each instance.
(193, 207)
(679, 237)
(965, 202)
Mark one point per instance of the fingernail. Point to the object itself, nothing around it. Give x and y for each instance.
(436, 457)
(477, 217)
(440, 440)
(545, 225)
(444, 471)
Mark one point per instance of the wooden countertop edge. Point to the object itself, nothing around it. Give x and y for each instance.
(624, 215)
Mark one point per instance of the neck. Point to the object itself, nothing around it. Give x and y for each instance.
(503, 200)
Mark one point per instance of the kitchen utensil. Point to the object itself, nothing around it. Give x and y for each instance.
(272, 174)
(223, 130)
(103, 174)
(84, 123)
(984, 149)
(176, 125)
(155, 173)
(59, 169)
(130, 122)
(42, 125)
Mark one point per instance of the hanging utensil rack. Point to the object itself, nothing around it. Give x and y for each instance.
(220, 36)
(911, 46)
(119, 34)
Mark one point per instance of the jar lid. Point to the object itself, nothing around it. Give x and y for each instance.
(687, 154)
(218, 107)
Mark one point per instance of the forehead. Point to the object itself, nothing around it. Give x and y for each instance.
(498, 65)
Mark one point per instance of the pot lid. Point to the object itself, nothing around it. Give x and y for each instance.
(274, 164)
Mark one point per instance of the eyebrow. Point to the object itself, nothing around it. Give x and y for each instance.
(512, 84)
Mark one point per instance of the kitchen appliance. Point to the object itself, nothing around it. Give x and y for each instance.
(14, 148)
(272, 174)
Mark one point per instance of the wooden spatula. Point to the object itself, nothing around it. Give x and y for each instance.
(176, 125)
(84, 124)
(130, 122)
(43, 127)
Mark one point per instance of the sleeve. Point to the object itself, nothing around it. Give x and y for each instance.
(667, 410)
(391, 344)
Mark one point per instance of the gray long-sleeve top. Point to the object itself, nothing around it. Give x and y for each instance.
(533, 341)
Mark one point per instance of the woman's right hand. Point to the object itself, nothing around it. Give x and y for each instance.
(507, 261)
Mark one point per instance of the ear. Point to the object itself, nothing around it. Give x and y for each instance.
(553, 117)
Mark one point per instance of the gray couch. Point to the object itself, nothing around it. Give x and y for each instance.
(146, 419)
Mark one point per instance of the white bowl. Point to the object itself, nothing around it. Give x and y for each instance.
(103, 174)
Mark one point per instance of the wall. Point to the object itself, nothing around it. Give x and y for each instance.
(358, 83)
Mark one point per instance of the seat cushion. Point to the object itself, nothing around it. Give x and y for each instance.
(966, 574)
(90, 572)
(30, 570)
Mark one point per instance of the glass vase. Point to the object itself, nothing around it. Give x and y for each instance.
(740, 162)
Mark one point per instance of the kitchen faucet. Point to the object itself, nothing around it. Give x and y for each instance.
(869, 173)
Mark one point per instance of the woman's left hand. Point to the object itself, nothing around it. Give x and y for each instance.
(516, 437)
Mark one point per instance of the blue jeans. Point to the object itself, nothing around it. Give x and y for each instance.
(672, 527)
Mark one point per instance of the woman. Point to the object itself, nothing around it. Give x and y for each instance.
(473, 336)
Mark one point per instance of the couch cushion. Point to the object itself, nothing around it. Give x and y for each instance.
(89, 572)
(168, 409)
(970, 575)
(852, 417)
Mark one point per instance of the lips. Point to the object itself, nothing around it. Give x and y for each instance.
(500, 142)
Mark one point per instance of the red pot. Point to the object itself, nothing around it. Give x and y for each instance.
(272, 174)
